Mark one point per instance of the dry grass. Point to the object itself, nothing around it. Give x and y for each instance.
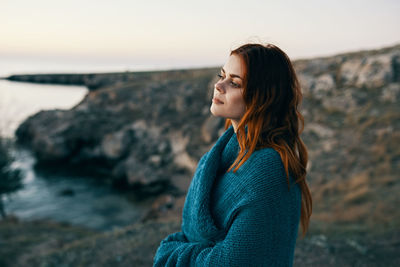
(357, 196)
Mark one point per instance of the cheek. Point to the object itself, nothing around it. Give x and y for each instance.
(237, 99)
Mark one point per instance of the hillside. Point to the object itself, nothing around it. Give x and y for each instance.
(146, 131)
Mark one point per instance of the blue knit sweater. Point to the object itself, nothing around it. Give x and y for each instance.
(246, 218)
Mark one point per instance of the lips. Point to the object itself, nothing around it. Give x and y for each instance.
(217, 101)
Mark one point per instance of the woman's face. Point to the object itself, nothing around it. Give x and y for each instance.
(228, 99)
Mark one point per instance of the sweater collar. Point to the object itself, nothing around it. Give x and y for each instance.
(197, 221)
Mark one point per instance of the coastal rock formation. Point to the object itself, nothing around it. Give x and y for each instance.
(143, 129)
(139, 133)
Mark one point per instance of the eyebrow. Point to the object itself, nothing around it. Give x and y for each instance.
(232, 75)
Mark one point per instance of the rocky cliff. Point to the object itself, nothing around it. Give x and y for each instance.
(141, 132)
(147, 130)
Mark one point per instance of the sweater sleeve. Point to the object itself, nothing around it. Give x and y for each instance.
(260, 235)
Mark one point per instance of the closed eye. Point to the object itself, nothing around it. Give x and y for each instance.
(232, 82)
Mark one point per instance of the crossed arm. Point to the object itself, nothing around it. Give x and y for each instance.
(260, 235)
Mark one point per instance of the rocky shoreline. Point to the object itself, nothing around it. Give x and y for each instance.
(136, 133)
(145, 131)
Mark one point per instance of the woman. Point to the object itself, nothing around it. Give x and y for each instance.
(249, 192)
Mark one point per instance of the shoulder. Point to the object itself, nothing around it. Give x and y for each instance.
(265, 157)
(266, 161)
(263, 174)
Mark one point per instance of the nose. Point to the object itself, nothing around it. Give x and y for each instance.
(219, 87)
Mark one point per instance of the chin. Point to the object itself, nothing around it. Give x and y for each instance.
(214, 112)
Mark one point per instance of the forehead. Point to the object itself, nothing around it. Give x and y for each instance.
(234, 65)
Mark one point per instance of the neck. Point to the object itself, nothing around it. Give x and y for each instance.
(235, 125)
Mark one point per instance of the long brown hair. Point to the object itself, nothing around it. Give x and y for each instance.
(272, 95)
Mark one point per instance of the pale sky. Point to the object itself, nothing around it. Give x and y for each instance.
(191, 33)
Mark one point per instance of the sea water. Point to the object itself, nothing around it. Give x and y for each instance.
(89, 202)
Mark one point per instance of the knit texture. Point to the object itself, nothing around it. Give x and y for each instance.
(246, 218)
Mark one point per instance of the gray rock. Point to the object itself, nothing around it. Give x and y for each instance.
(391, 93)
(210, 127)
(322, 86)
